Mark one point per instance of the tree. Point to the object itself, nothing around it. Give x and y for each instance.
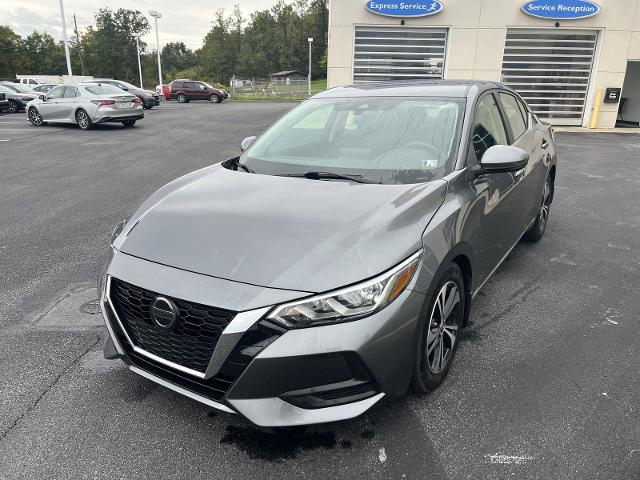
(110, 45)
(9, 52)
(176, 57)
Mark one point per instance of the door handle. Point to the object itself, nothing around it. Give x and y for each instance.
(544, 144)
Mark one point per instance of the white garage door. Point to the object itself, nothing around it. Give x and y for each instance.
(551, 70)
(392, 53)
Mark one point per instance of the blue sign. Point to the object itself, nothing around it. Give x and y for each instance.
(409, 8)
(561, 9)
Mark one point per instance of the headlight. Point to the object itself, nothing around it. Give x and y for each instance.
(117, 231)
(348, 303)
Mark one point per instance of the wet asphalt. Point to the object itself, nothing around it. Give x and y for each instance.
(546, 382)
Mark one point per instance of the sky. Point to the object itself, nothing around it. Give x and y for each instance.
(186, 22)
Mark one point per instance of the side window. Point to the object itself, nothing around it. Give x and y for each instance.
(525, 112)
(70, 92)
(177, 85)
(488, 129)
(514, 114)
(190, 85)
(55, 92)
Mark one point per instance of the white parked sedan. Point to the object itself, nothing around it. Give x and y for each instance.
(85, 105)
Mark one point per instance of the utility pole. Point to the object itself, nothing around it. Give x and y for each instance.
(139, 66)
(310, 43)
(75, 29)
(66, 41)
(156, 15)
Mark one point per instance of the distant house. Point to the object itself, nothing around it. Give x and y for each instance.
(288, 77)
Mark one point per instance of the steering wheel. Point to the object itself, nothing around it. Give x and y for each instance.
(418, 144)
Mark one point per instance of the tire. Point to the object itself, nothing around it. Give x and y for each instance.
(13, 107)
(83, 120)
(536, 231)
(181, 98)
(213, 98)
(438, 344)
(35, 117)
(129, 123)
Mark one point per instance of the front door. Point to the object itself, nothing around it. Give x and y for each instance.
(49, 108)
(499, 209)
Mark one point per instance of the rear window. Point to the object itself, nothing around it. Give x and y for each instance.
(103, 89)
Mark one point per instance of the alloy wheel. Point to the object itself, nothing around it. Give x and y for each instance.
(35, 117)
(443, 328)
(82, 119)
(13, 107)
(543, 215)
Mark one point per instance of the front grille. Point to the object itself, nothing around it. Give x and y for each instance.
(190, 343)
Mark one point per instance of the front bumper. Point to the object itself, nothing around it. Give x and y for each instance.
(273, 377)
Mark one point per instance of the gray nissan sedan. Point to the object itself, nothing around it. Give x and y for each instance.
(335, 260)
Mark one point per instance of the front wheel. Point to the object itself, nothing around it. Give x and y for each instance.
(35, 117)
(213, 98)
(536, 231)
(440, 331)
(83, 120)
(129, 123)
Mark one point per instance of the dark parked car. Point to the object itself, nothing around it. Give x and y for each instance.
(17, 95)
(148, 98)
(4, 103)
(335, 260)
(186, 90)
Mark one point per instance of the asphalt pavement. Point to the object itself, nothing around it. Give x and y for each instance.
(546, 383)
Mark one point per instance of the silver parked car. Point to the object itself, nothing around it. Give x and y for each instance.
(335, 260)
(85, 105)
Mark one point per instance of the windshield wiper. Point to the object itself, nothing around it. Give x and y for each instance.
(242, 166)
(328, 176)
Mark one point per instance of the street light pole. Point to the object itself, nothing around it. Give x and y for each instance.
(66, 41)
(155, 14)
(309, 79)
(139, 66)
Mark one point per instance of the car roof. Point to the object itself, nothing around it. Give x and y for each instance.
(411, 88)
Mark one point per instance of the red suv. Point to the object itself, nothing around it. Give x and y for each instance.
(186, 90)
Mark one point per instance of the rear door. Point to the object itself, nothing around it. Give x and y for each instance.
(68, 102)
(498, 202)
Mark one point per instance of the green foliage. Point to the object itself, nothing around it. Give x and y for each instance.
(110, 46)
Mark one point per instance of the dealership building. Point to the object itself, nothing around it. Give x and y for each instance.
(567, 58)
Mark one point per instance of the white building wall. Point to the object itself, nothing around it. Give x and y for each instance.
(477, 32)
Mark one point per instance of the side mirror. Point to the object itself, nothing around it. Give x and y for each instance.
(42, 97)
(503, 158)
(246, 143)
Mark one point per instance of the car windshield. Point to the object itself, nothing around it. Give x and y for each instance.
(104, 89)
(127, 85)
(8, 89)
(22, 88)
(395, 140)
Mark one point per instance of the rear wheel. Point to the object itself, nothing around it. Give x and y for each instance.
(129, 123)
(440, 331)
(83, 120)
(13, 106)
(181, 98)
(536, 231)
(213, 98)
(35, 117)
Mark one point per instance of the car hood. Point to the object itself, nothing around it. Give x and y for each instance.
(281, 232)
